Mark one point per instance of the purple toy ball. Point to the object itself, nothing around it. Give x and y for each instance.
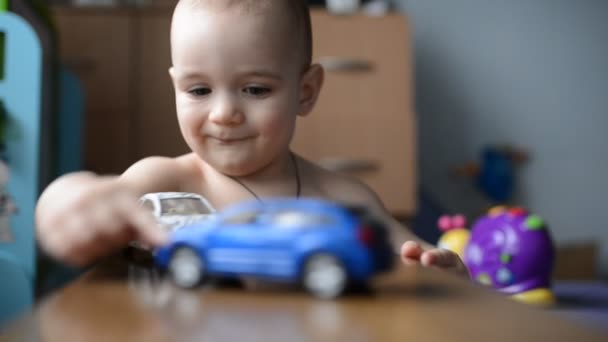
(511, 250)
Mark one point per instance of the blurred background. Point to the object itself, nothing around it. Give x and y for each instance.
(531, 74)
(445, 107)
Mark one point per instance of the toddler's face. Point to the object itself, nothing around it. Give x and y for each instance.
(236, 79)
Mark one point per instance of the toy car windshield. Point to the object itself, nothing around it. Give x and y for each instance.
(183, 206)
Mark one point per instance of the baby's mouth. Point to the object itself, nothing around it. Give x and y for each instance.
(229, 140)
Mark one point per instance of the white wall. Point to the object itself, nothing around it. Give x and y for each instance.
(532, 73)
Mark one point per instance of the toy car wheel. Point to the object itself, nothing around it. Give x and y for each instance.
(186, 268)
(324, 276)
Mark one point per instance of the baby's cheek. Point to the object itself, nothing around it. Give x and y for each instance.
(279, 125)
(190, 122)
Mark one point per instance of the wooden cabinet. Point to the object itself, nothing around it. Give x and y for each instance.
(363, 123)
(97, 46)
(156, 121)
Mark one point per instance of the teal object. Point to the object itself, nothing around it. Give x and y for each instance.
(71, 125)
(69, 156)
(21, 93)
(15, 289)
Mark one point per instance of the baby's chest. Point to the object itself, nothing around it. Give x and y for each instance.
(224, 192)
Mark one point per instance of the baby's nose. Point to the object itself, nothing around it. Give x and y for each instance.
(226, 111)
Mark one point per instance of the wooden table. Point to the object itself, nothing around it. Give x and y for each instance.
(122, 301)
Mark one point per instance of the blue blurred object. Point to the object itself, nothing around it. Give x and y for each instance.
(318, 243)
(15, 288)
(21, 92)
(496, 173)
(70, 124)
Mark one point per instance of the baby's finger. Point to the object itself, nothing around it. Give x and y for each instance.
(411, 252)
(442, 258)
(113, 230)
(76, 247)
(145, 225)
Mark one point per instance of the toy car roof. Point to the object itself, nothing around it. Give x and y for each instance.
(164, 195)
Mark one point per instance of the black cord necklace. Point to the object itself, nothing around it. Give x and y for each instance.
(297, 172)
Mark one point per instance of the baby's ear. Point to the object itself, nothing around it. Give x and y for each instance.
(310, 86)
(172, 73)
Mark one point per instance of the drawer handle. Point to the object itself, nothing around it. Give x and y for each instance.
(349, 165)
(345, 64)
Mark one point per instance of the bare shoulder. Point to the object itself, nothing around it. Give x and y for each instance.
(155, 174)
(350, 190)
(342, 188)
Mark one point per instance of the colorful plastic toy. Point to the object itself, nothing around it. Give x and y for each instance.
(512, 251)
(455, 236)
(320, 245)
(494, 174)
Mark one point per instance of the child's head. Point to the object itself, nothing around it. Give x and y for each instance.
(242, 73)
(293, 15)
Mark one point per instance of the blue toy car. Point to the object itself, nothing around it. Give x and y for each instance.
(319, 244)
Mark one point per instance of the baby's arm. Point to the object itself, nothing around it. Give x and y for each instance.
(83, 216)
(413, 250)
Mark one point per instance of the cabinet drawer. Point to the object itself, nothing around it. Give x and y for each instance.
(364, 118)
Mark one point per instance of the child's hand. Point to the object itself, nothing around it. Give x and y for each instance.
(78, 224)
(413, 253)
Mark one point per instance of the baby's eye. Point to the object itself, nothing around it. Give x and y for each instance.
(257, 91)
(200, 91)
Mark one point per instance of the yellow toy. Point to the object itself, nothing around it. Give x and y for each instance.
(455, 236)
